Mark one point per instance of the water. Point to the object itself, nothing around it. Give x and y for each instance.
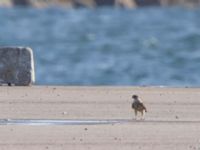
(106, 46)
(39, 122)
(47, 122)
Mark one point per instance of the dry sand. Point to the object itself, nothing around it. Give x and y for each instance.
(172, 120)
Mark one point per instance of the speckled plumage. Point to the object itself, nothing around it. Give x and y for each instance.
(138, 105)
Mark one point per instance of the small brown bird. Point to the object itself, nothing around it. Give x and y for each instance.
(138, 105)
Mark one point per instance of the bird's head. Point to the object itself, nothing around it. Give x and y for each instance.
(135, 97)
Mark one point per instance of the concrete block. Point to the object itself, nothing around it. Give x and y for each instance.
(16, 66)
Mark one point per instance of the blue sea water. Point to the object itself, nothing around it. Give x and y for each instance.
(107, 46)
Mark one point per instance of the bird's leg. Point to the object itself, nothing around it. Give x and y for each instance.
(143, 114)
(135, 114)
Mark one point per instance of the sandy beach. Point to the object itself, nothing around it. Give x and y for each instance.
(172, 120)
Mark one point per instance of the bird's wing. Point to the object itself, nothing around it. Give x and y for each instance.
(133, 105)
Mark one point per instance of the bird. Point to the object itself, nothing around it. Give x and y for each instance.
(138, 105)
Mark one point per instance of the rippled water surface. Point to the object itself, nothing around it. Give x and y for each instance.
(106, 46)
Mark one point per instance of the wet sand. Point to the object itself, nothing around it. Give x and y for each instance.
(172, 120)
